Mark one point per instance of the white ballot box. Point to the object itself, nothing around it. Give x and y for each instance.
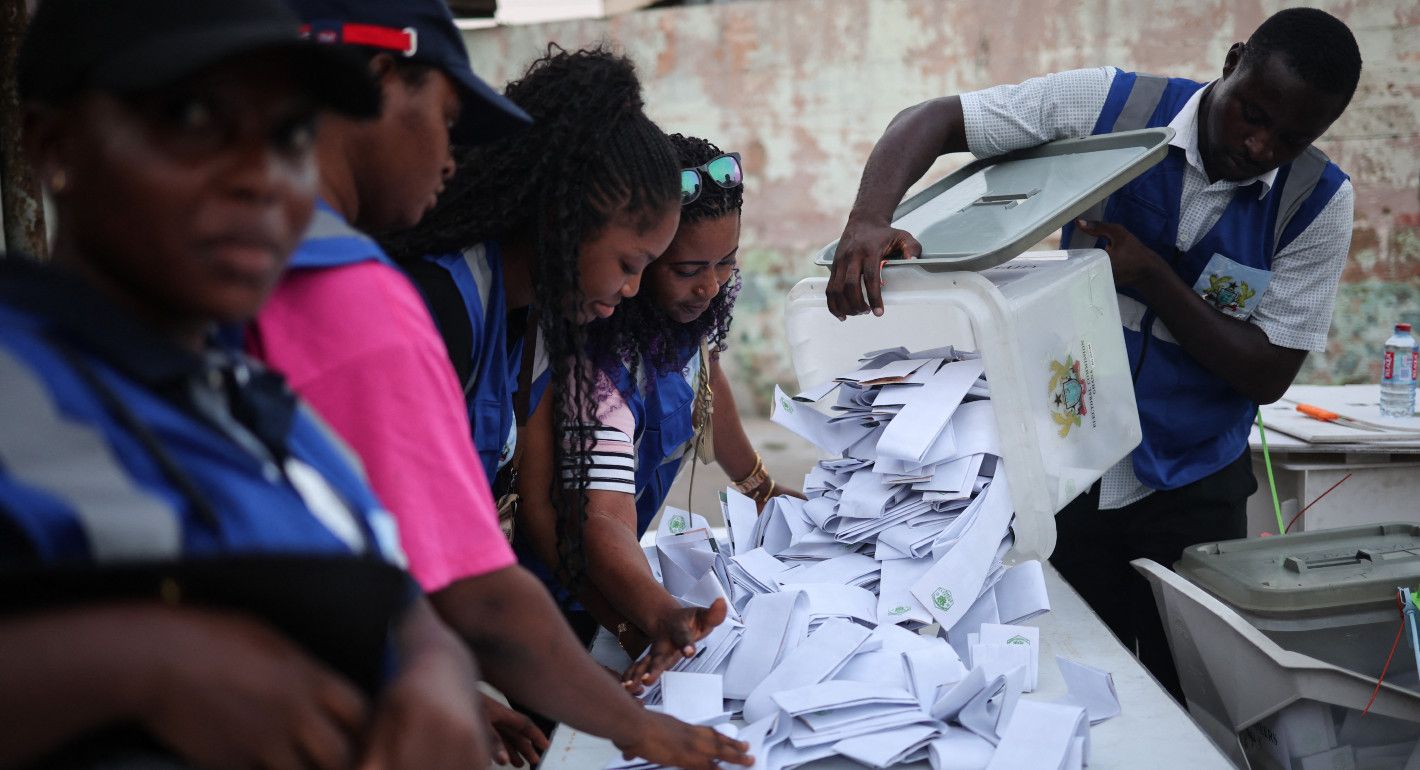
(1046, 324)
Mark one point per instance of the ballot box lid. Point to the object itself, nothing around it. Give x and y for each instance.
(1314, 571)
(991, 210)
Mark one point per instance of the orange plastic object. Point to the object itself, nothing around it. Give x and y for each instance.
(1318, 413)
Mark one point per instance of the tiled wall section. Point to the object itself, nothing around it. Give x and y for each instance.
(804, 87)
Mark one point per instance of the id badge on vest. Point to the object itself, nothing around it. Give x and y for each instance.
(1233, 289)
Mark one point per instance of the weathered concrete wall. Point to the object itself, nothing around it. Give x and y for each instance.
(803, 88)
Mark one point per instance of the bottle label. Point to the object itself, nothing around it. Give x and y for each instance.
(1388, 365)
(1414, 359)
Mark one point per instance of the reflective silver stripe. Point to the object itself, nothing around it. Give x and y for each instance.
(1138, 108)
(540, 360)
(1143, 100)
(476, 257)
(1131, 314)
(1301, 181)
(73, 462)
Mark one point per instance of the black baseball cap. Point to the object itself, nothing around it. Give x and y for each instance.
(419, 31)
(136, 45)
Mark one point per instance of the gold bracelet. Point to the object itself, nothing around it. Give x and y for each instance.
(754, 479)
(768, 486)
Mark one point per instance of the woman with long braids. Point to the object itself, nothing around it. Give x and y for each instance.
(536, 236)
(662, 396)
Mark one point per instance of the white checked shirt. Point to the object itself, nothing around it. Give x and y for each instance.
(1294, 311)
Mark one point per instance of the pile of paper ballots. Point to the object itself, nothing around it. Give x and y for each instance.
(825, 651)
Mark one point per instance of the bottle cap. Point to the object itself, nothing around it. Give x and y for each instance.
(1402, 327)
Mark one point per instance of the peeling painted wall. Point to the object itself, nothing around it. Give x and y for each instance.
(803, 88)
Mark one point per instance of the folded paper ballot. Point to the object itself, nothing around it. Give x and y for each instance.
(1090, 689)
(1039, 736)
(906, 525)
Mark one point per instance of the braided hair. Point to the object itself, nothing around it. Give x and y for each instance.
(639, 333)
(592, 156)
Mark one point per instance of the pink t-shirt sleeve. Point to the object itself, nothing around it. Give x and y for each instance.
(357, 343)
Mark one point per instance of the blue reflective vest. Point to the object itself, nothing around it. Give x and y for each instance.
(1194, 423)
(665, 425)
(493, 366)
(79, 484)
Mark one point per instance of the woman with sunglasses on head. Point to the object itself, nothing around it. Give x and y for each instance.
(662, 394)
(169, 512)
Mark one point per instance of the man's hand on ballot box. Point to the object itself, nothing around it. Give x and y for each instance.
(858, 264)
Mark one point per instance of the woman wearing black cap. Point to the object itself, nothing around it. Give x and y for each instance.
(194, 574)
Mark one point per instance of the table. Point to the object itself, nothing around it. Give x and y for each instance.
(1384, 483)
(1151, 731)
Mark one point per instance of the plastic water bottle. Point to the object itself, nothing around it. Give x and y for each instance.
(1398, 374)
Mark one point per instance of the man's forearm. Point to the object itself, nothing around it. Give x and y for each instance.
(528, 651)
(1220, 342)
(912, 142)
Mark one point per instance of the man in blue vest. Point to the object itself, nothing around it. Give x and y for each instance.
(1226, 256)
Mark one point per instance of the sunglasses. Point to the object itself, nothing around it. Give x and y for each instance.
(724, 171)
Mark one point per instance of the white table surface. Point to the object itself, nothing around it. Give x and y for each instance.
(1152, 730)
(1288, 431)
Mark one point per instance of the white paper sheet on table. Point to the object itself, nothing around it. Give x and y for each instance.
(769, 621)
(896, 604)
(1020, 594)
(1039, 736)
(949, 588)
(954, 698)
(991, 708)
(812, 425)
(1023, 637)
(1090, 688)
(922, 420)
(822, 600)
(760, 567)
(884, 668)
(983, 610)
(848, 569)
(821, 655)
(740, 517)
(929, 668)
(837, 694)
(1002, 659)
(960, 749)
(974, 423)
(674, 521)
(865, 496)
(694, 698)
(889, 747)
(705, 592)
(865, 721)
